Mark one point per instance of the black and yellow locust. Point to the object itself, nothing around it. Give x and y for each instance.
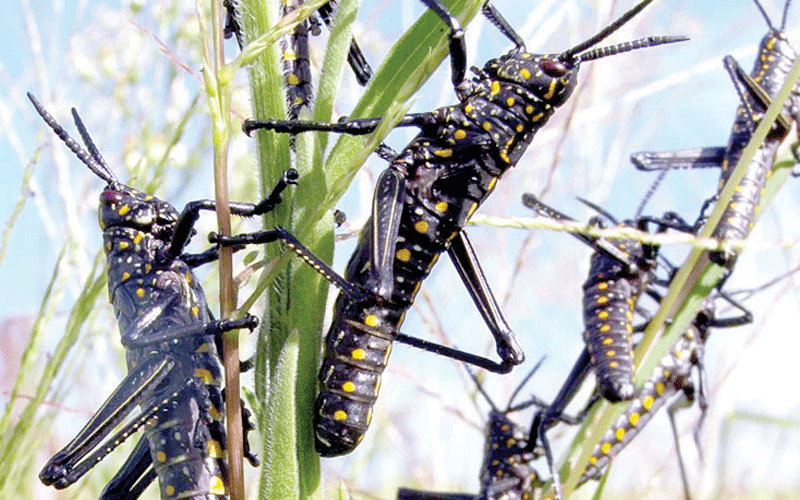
(421, 204)
(506, 473)
(173, 345)
(756, 92)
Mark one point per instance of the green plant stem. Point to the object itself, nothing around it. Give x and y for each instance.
(218, 93)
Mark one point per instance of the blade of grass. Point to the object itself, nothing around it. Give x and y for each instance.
(286, 364)
(94, 283)
(23, 195)
(282, 481)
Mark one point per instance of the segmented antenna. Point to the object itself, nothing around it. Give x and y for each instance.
(785, 13)
(533, 400)
(87, 140)
(99, 170)
(651, 41)
(649, 193)
(603, 34)
(597, 208)
(620, 48)
(509, 408)
(479, 386)
(766, 17)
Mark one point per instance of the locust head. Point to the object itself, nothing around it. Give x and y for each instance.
(552, 77)
(121, 206)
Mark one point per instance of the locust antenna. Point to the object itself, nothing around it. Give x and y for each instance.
(100, 170)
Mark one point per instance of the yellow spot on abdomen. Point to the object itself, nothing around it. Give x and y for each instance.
(169, 490)
(443, 153)
(605, 448)
(215, 449)
(161, 456)
(441, 206)
(140, 292)
(123, 245)
(371, 320)
(602, 299)
(126, 275)
(648, 402)
(620, 434)
(216, 486)
(204, 375)
(634, 419)
(495, 88)
(348, 386)
(340, 415)
(292, 79)
(403, 255)
(421, 227)
(359, 354)
(524, 73)
(124, 209)
(459, 135)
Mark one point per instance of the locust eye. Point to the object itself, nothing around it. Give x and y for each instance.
(555, 69)
(110, 196)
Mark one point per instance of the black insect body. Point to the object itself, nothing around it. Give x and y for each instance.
(610, 295)
(296, 55)
(671, 376)
(506, 473)
(421, 205)
(756, 91)
(173, 346)
(619, 272)
(296, 59)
